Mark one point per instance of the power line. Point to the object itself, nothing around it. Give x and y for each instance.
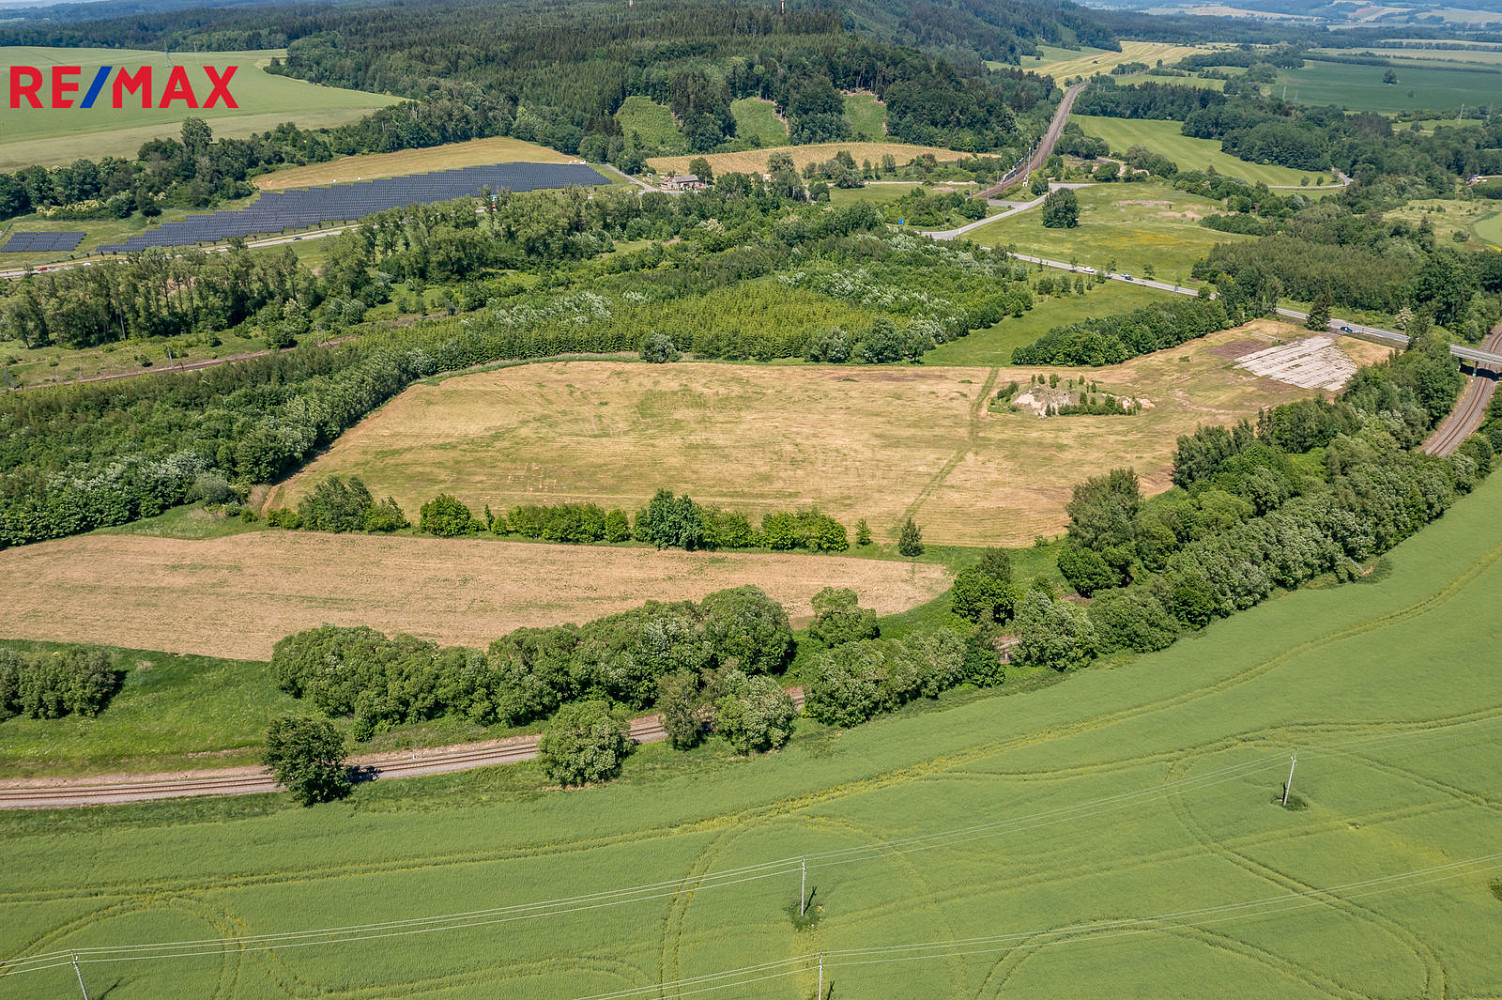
(345, 934)
(1053, 937)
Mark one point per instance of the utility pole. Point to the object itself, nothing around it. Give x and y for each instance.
(803, 886)
(1293, 762)
(80, 977)
(819, 995)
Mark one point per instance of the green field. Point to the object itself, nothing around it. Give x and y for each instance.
(652, 124)
(867, 117)
(1489, 229)
(1114, 834)
(1132, 224)
(1360, 88)
(48, 136)
(993, 345)
(756, 121)
(1190, 154)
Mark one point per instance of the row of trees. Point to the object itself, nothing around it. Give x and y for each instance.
(530, 673)
(1113, 339)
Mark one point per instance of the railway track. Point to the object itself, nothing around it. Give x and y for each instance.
(1044, 148)
(242, 781)
(1470, 410)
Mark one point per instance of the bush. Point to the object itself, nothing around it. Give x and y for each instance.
(51, 685)
(386, 517)
(808, 528)
(855, 681)
(658, 349)
(1061, 210)
(670, 522)
(1086, 570)
(758, 718)
(839, 618)
(583, 744)
(1053, 633)
(910, 540)
(1132, 619)
(307, 756)
(335, 505)
(984, 591)
(281, 517)
(447, 517)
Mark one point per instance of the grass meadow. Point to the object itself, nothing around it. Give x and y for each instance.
(1360, 88)
(653, 125)
(1060, 63)
(879, 443)
(1135, 225)
(756, 121)
(867, 116)
(1189, 153)
(47, 137)
(1115, 834)
(1489, 229)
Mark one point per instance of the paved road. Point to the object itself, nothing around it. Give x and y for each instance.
(62, 793)
(1026, 206)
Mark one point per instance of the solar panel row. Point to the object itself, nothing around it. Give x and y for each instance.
(44, 242)
(278, 211)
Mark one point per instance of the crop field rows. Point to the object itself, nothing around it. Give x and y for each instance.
(1115, 833)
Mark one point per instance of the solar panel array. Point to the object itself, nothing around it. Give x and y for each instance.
(279, 211)
(42, 242)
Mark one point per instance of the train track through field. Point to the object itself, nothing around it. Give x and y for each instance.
(1470, 409)
(63, 793)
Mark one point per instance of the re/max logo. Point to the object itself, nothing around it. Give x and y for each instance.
(26, 85)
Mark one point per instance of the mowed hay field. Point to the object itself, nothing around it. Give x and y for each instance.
(1060, 63)
(862, 442)
(50, 136)
(1133, 224)
(754, 161)
(236, 596)
(476, 152)
(1189, 153)
(1113, 835)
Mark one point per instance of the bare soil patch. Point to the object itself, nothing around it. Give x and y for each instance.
(236, 596)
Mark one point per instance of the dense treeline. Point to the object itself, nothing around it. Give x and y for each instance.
(1314, 488)
(50, 685)
(1366, 262)
(1113, 339)
(528, 674)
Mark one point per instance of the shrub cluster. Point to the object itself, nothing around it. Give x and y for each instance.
(854, 681)
(530, 673)
(51, 685)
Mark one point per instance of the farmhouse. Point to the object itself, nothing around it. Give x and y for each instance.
(682, 182)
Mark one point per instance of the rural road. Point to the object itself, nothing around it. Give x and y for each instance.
(1016, 209)
(63, 793)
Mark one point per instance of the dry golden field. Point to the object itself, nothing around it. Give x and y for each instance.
(754, 161)
(869, 442)
(476, 152)
(235, 596)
